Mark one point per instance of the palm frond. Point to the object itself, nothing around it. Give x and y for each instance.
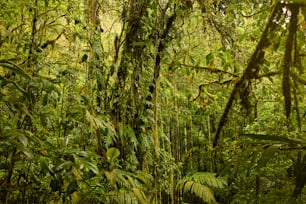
(128, 191)
(199, 184)
(210, 179)
(200, 190)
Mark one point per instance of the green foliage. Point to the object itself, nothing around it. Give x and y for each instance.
(114, 102)
(199, 190)
(199, 184)
(112, 154)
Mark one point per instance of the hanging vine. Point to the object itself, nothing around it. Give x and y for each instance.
(243, 85)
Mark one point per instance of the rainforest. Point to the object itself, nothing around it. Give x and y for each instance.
(152, 101)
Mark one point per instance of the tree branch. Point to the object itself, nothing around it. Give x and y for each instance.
(211, 69)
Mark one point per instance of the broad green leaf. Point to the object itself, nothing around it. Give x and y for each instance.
(267, 155)
(112, 154)
(209, 58)
(23, 139)
(242, 37)
(44, 164)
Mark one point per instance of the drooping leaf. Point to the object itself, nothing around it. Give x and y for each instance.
(14, 68)
(67, 165)
(267, 155)
(23, 139)
(26, 151)
(143, 177)
(110, 176)
(90, 166)
(142, 199)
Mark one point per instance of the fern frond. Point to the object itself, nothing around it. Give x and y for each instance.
(129, 132)
(209, 179)
(200, 190)
(198, 184)
(109, 133)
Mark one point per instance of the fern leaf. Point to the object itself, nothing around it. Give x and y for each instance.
(199, 190)
(198, 184)
(129, 132)
(209, 179)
